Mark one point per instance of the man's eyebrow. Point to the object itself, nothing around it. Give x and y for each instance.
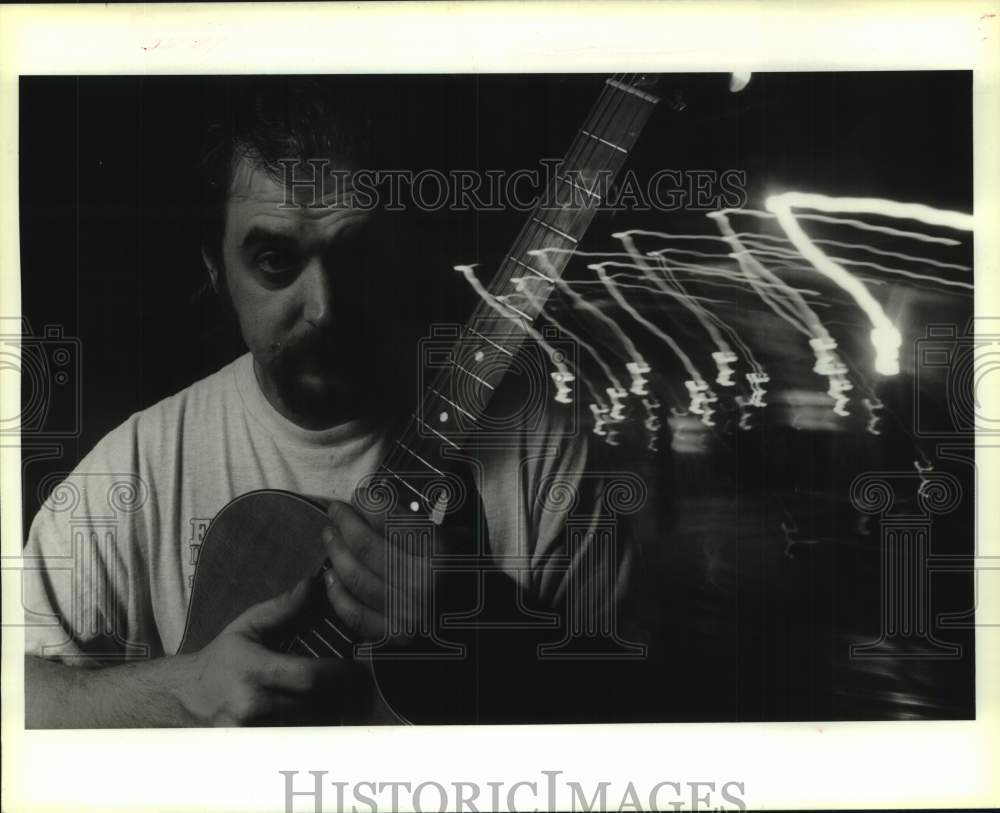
(262, 234)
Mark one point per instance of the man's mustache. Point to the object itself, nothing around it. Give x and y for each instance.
(338, 345)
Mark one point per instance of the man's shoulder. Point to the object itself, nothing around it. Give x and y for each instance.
(210, 392)
(530, 434)
(525, 413)
(526, 408)
(191, 407)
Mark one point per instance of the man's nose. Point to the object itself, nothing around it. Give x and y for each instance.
(317, 294)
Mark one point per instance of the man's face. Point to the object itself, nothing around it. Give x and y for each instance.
(302, 282)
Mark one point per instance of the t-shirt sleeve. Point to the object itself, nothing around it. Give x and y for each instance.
(584, 558)
(581, 637)
(83, 603)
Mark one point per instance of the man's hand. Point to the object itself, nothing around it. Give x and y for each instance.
(238, 680)
(364, 586)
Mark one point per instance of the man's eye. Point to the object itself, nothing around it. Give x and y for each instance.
(275, 262)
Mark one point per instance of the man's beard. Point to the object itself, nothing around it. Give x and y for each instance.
(324, 374)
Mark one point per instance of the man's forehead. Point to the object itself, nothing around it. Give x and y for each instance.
(320, 182)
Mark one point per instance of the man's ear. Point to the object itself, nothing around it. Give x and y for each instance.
(212, 269)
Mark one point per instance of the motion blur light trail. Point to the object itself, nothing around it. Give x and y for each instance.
(643, 285)
(603, 413)
(723, 356)
(884, 336)
(885, 269)
(700, 393)
(857, 224)
(562, 375)
(754, 240)
(637, 367)
(794, 309)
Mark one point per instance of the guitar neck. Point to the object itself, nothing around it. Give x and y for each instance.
(454, 404)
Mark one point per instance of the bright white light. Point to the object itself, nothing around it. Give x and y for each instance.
(884, 335)
(886, 342)
(739, 80)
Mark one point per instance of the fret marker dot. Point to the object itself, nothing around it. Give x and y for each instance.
(443, 417)
(479, 355)
(414, 506)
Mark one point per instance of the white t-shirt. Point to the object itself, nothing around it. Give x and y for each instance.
(111, 555)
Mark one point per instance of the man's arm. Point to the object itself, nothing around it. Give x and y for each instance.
(235, 680)
(130, 695)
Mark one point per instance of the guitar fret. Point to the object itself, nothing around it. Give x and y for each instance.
(460, 409)
(575, 185)
(553, 229)
(482, 381)
(386, 468)
(435, 431)
(622, 86)
(418, 457)
(605, 141)
(488, 339)
(518, 311)
(534, 271)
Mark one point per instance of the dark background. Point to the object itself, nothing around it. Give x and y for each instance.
(110, 253)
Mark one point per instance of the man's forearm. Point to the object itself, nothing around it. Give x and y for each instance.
(131, 695)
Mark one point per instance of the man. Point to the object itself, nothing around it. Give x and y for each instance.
(320, 301)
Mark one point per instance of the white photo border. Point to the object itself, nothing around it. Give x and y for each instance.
(787, 765)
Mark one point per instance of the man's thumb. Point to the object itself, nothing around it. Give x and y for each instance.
(275, 612)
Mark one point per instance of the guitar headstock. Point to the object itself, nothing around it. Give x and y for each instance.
(678, 89)
(674, 89)
(648, 82)
(643, 85)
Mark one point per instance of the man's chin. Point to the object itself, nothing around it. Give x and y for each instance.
(323, 391)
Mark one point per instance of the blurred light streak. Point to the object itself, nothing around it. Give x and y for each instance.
(603, 413)
(804, 318)
(562, 375)
(885, 338)
(637, 367)
(723, 357)
(885, 269)
(857, 224)
(700, 393)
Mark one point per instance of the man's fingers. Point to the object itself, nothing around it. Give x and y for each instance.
(366, 586)
(299, 674)
(366, 544)
(275, 613)
(363, 621)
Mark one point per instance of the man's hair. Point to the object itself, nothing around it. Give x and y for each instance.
(265, 120)
(356, 122)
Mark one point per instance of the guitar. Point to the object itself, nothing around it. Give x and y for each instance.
(423, 493)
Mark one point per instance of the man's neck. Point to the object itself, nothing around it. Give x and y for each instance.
(330, 416)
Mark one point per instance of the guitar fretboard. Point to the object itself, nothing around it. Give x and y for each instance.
(454, 405)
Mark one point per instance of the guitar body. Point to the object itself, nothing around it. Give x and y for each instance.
(262, 544)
